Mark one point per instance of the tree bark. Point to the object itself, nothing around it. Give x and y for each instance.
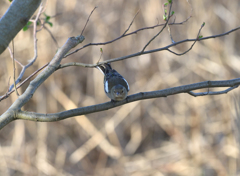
(15, 18)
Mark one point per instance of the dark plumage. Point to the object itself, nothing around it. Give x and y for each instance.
(115, 86)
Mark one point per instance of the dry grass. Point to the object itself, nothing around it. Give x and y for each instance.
(177, 136)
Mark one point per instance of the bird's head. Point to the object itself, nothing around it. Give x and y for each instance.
(118, 92)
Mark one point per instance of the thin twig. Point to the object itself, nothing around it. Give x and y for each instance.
(41, 27)
(156, 50)
(29, 77)
(169, 30)
(130, 23)
(45, 6)
(191, 45)
(19, 62)
(212, 93)
(125, 35)
(14, 69)
(8, 83)
(101, 50)
(55, 41)
(88, 20)
(35, 48)
(160, 30)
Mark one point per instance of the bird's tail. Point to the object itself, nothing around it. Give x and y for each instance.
(108, 66)
(104, 68)
(101, 69)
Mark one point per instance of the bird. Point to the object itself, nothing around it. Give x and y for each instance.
(116, 86)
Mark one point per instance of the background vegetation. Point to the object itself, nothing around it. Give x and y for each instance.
(177, 135)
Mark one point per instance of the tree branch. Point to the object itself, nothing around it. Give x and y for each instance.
(125, 35)
(11, 113)
(147, 52)
(35, 48)
(15, 18)
(212, 93)
(29, 77)
(135, 97)
(168, 18)
(197, 39)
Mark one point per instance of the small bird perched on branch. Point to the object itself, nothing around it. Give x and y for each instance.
(115, 85)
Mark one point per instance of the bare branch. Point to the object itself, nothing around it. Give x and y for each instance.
(28, 78)
(169, 31)
(55, 41)
(72, 64)
(212, 93)
(160, 30)
(12, 112)
(130, 23)
(135, 97)
(149, 51)
(14, 68)
(124, 35)
(191, 45)
(88, 20)
(15, 18)
(35, 48)
(19, 62)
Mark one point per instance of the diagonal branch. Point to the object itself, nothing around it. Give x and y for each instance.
(87, 20)
(160, 30)
(12, 112)
(28, 78)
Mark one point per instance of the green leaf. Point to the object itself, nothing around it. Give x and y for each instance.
(165, 17)
(172, 13)
(27, 26)
(200, 36)
(47, 17)
(49, 23)
(165, 4)
(29, 23)
(170, 1)
(203, 24)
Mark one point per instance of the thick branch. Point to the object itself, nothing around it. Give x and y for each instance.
(10, 114)
(135, 97)
(28, 78)
(15, 19)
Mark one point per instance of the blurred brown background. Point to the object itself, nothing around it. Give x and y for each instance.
(177, 136)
